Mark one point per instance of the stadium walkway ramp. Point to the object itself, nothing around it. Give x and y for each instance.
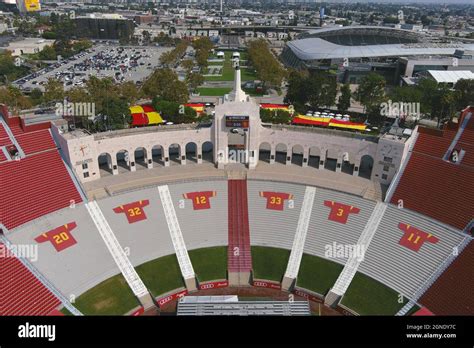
(126, 268)
(177, 239)
(238, 253)
(300, 238)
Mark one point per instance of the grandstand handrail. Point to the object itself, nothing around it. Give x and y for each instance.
(65, 302)
(175, 233)
(297, 249)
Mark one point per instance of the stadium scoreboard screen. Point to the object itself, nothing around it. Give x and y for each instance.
(237, 121)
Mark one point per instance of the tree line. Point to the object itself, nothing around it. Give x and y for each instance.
(319, 89)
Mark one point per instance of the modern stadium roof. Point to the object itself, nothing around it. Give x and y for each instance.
(345, 42)
(317, 49)
(361, 28)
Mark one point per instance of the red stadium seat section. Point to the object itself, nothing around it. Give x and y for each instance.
(436, 186)
(36, 185)
(238, 253)
(34, 142)
(22, 292)
(451, 293)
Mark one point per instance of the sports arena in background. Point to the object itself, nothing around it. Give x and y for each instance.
(151, 219)
(354, 52)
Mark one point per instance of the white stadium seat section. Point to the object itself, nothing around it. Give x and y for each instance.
(400, 268)
(143, 240)
(121, 259)
(301, 231)
(77, 268)
(273, 228)
(352, 265)
(323, 233)
(175, 233)
(205, 227)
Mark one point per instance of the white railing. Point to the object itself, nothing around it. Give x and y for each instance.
(119, 256)
(175, 233)
(300, 235)
(352, 264)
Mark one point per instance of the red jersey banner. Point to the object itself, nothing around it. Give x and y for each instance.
(201, 200)
(276, 200)
(60, 237)
(414, 238)
(134, 211)
(340, 212)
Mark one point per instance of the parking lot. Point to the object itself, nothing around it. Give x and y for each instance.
(118, 62)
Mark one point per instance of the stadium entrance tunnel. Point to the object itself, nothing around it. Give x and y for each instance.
(280, 153)
(105, 164)
(208, 152)
(191, 152)
(141, 158)
(366, 166)
(175, 154)
(123, 161)
(264, 152)
(297, 155)
(314, 157)
(157, 155)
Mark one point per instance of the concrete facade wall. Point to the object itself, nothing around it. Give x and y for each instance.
(380, 157)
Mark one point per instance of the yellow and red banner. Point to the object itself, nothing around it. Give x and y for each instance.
(328, 122)
(32, 5)
(270, 106)
(198, 107)
(144, 115)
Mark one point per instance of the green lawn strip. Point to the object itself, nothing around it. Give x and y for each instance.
(317, 274)
(161, 275)
(209, 263)
(367, 296)
(213, 92)
(65, 311)
(269, 263)
(111, 297)
(228, 71)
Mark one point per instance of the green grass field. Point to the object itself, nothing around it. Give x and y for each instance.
(65, 311)
(213, 92)
(269, 263)
(367, 296)
(228, 71)
(161, 275)
(111, 297)
(209, 263)
(317, 274)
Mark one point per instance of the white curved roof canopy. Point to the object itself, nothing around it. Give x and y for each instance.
(317, 49)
